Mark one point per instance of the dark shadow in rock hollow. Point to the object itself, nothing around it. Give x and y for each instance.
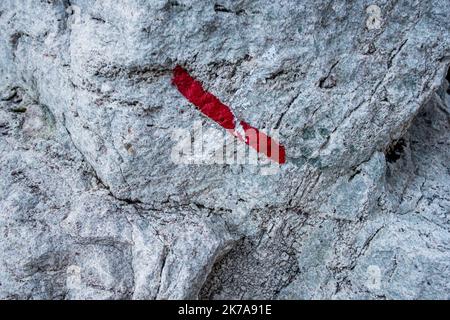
(448, 79)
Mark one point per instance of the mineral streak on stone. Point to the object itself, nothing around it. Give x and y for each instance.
(91, 207)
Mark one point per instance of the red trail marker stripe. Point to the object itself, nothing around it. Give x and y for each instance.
(213, 108)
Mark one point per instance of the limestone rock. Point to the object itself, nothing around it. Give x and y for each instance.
(93, 207)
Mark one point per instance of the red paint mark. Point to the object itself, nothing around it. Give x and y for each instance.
(205, 101)
(213, 108)
(264, 144)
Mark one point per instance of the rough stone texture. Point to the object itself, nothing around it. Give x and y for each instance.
(92, 207)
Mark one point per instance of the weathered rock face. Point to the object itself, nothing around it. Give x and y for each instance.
(92, 205)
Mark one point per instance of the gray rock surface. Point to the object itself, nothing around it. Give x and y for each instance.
(92, 207)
